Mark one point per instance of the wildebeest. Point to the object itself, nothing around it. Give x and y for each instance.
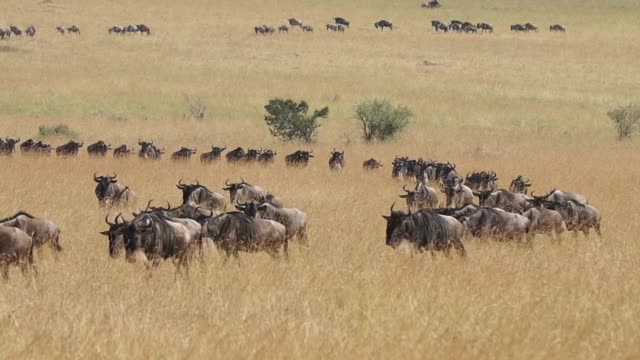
(518, 28)
(144, 29)
(559, 196)
(36, 148)
(431, 4)
(371, 164)
(481, 180)
(112, 194)
(422, 197)
(122, 151)
(61, 30)
(183, 154)
(469, 28)
(283, 28)
(341, 21)
(332, 27)
(520, 185)
(41, 230)
(457, 193)
(100, 148)
(439, 26)
(503, 199)
(16, 248)
(485, 27)
(267, 157)
(383, 24)
(235, 155)
(149, 151)
(31, 31)
(336, 162)
(252, 155)
(8, 147)
(295, 22)
(426, 230)
(73, 30)
(4, 33)
(577, 216)
(557, 27)
(114, 29)
(531, 27)
(200, 195)
(543, 220)
(15, 30)
(69, 149)
(115, 234)
(307, 28)
(244, 192)
(294, 220)
(497, 223)
(298, 158)
(235, 231)
(212, 155)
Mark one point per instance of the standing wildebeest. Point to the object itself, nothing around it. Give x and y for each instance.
(183, 154)
(298, 158)
(503, 199)
(41, 230)
(283, 28)
(336, 162)
(15, 30)
(422, 197)
(4, 33)
(60, 29)
(98, 149)
(114, 29)
(457, 193)
(235, 231)
(235, 155)
(122, 151)
(383, 24)
(244, 192)
(149, 151)
(8, 147)
(531, 27)
(73, 30)
(307, 28)
(431, 4)
(485, 27)
(199, 195)
(332, 27)
(37, 148)
(469, 28)
(294, 220)
(115, 234)
(31, 31)
(267, 157)
(518, 28)
(69, 149)
(520, 185)
(371, 164)
(426, 230)
(252, 155)
(214, 154)
(295, 22)
(481, 181)
(543, 220)
(577, 216)
(341, 21)
(16, 248)
(110, 193)
(144, 29)
(560, 196)
(439, 26)
(497, 223)
(557, 27)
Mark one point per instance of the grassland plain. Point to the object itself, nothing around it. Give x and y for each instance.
(531, 104)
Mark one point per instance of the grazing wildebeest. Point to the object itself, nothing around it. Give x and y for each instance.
(518, 28)
(183, 154)
(431, 4)
(122, 151)
(520, 185)
(457, 193)
(531, 27)
(61, 30)
(557, 27)
(235, 155)
(98, 149)
(295, 22)
(267, 157)
(294, 220)
(144, 29)
(235, 231)
(503, 199)
(112, 194)
(577, 216)
(252, 155)
(543, 220)
(149, 151)
(332, 27)
(341, 21)
(499, 224)
(16, 248)
(114, 29)
(336, 162)
(283, 28)
(485, 27)
(8, 147)
(307, 28)
(41, 230)
(15, 30)
(244, 192)
(214, 154)
(481, 181)
(31, 31)
(73, 30)
(371, 164)
(383, 24)
(69, 149)
(560, 196)
(200, 195)
(298, 158)
(422, 197)
(426, 230)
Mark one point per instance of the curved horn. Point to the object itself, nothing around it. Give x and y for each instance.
(149, 205)
(226, 182)
(404, 187)
(119, 216)
(95, 178)
(115, 175)
(392, 205)
(242, 181)
(106, 219)
(180, 182)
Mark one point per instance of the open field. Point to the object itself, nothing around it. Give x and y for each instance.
(531, 104)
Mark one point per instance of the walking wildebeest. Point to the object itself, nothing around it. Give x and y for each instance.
(503, 199)
(422, 197)
(294, 220)
(531, 27)
(295, 22)
(497, 223)
(8, 147)
(283, 28)
(122, 151)
(371, 164)
(15, 30)
(98, 149)
(200, 195)
(577, 216)
(267, 157)
(307, 28)
(332, 27)
(543, 220)
(235, 231)
(520, 185)
(485, 27)
(16, 248)
(114, 29)
(557, 27)
(244, 192)
(115, 234)
(383, 24)
(481, 181)
(36, 148)
(31, 31)
(426, 230)
(341, 21)
(73, 30)
(298, 158)
(235, 155)
(518, 28)
(112, 194)
(144, 29)
(336, 162)
(252, 155)
(457, 193)
(183, 154)
(69, 149)
(41, 230)
(214, 154)
(61, 30)
(431, 4)
(149, 151)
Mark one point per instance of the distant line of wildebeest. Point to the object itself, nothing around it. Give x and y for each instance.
(262, 223)
(30, 31)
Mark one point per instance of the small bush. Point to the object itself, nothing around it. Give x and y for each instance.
(58, 130)
(382, 121)
(196, 107)
(626, 119)
(288, 120)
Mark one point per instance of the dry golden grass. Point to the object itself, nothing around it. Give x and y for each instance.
(518, 104)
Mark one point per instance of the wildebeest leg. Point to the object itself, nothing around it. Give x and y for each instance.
(597, 228)
(5, 271)
(585, 231)
(286, 249)
(459, 246)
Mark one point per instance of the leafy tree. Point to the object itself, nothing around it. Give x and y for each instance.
(288, 120)
(380, 120)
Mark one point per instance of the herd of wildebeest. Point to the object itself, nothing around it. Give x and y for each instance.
(260, 221)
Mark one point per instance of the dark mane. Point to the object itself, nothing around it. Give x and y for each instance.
(424, 228)
(21, 212)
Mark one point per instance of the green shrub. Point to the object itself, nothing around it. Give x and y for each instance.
(57, 130)
(288, 120)
(626, 119)
(380, 120)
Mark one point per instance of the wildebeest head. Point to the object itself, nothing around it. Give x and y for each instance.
(267, 156)
(337, 159)
(480, 181)
(187, 189)
(250, 208)
(233, 188)
(520, 185)
(299, 158)
(394, 220)
(252, 154)
(482, 196)
(115, 234)
(371, 164)
(8, 146)
(104, 182)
